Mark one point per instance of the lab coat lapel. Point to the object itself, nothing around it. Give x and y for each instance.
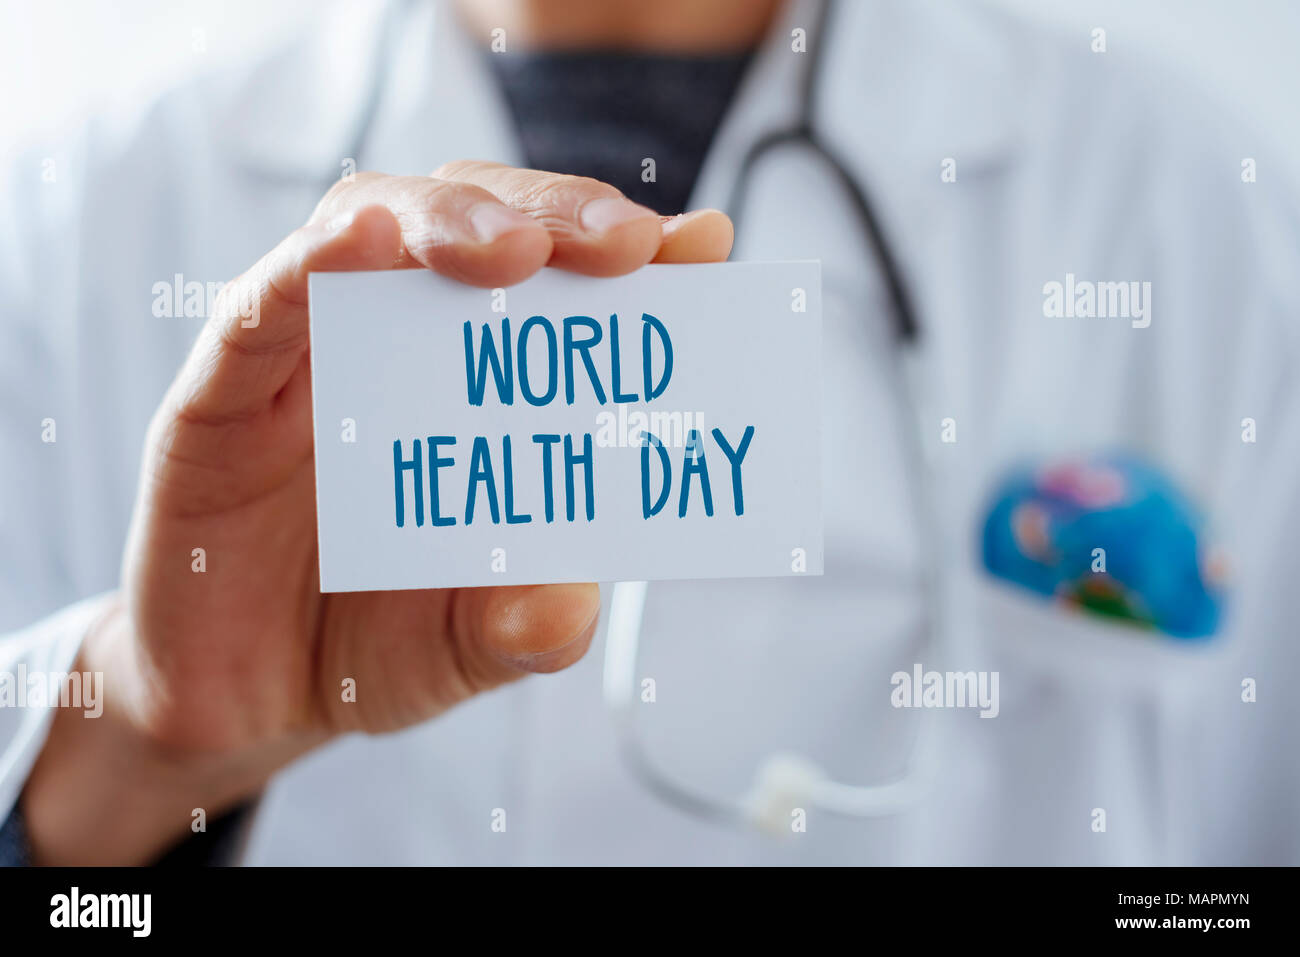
(874, 73)
(437, 103)
(767, 100)
(442, 102)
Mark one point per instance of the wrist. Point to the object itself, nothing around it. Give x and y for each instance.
(108, 788)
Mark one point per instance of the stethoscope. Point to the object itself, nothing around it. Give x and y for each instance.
(783, 782)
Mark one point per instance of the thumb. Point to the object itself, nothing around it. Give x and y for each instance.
(428, 650)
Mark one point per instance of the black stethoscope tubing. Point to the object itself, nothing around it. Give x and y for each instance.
(905, 326)
(802, 134)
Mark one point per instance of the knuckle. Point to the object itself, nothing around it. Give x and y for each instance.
(340, 194)
(453, 168)
(439, 192)
(554, 190)
(235, 298)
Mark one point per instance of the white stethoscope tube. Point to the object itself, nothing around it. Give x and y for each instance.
(783, 781)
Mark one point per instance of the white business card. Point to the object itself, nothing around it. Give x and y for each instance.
(664, 424)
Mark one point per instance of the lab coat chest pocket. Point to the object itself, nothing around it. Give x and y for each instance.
(1037, 636)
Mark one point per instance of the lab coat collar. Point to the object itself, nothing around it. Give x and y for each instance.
(920, 81)
(915, 81)
(290, 116)
(295, 117)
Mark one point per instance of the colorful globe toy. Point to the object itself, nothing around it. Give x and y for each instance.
(1111, 536)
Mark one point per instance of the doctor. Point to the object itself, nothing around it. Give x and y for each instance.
(1000, 160)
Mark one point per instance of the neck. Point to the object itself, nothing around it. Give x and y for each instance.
(661, 26)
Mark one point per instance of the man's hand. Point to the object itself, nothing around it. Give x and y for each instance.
(214, 680)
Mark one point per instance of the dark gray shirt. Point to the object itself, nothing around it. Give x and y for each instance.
(606, 114)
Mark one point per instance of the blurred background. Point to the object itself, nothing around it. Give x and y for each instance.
(81, 53)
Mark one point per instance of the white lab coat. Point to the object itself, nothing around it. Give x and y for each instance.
(1066, 160)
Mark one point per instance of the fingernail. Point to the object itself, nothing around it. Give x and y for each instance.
(601, 215)
(491, 221)
(543, 661)
(671, 226)
(341, 221)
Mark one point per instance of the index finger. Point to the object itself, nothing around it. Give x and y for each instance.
(595, 229)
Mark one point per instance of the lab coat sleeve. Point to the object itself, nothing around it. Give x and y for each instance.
(47, 564)
(46, 648)
(40, 245)
(42, 620)
(50, 647)
(43, 606)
